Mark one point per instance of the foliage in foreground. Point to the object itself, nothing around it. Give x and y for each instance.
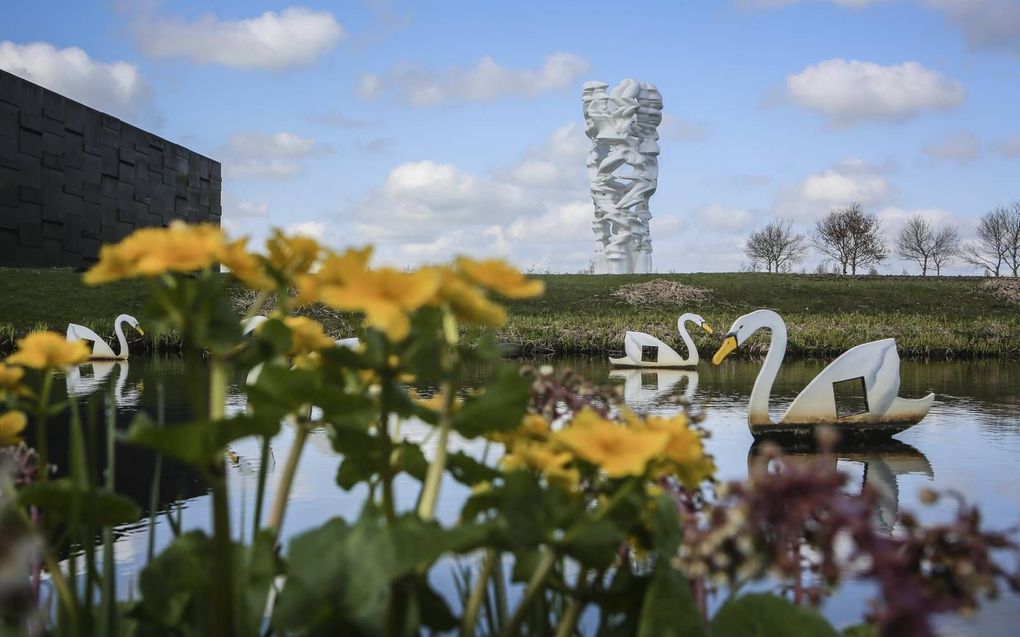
(592, 513)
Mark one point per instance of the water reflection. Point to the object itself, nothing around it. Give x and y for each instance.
(969, 442)
(646, 386)
(88, 378)
(877, 465)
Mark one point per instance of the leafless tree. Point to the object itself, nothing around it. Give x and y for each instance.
(918, 241)
(851, 238)
(776, 245)
(945, 248)
(997, 246)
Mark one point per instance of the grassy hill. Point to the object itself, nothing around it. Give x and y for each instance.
(930, 317)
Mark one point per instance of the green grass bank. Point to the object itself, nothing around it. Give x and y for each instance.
(937, 318)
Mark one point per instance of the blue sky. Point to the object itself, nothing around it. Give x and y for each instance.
(435, 128)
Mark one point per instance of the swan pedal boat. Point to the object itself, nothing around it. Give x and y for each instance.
(665, 356)
(100, 350)
(876, 365)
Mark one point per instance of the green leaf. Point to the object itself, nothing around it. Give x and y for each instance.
(860, 630)
(499, 408)
(198, 444)
(341, 576)
(469, 471)
(668, 609)
(594, 543)
(57, 498)
(764, 615)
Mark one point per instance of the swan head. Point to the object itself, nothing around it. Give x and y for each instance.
(742, 329)
(132, 321)
(696, 319)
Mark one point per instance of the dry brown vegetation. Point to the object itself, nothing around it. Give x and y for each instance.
(660, 292)
(1007, 290)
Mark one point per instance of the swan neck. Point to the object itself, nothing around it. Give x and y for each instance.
(692, 351)
(118, 329)
(758, 410)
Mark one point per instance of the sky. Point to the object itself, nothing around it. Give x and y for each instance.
(430, 129)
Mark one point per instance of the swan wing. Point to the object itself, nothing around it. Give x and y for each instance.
(100, 349)
(635, 342)
(876, 362)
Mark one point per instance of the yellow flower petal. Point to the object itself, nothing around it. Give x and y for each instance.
(11, 425)
(500, 277)
(47, 350)
(618, 450)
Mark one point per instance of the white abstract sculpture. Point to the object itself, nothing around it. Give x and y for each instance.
(658, 353)
(100, 350)
(623, 169)
(873, 368)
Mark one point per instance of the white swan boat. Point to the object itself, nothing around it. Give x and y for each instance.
(872, 369)
(644, 350)
(100, 350)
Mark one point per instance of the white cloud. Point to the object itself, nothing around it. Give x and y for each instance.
(985, 24)
(113, 87)
(266, 155)
(280, 144)
(312, 229)
(486, 81)
(1010, 147)
(725, 218)
(848, 181)
(893, 219)
(291, 38)
(558, 164)
(673, 127)
(848, 92)
(961, 146)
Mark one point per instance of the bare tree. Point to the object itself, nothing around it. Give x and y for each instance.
(945, 248)
(918, 241)
(998, 241)
(776, 245)
(851, 238)
(915, 242)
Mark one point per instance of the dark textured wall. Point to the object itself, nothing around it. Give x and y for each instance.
(72, 178)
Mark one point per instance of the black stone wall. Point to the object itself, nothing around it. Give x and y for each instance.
(72, 178)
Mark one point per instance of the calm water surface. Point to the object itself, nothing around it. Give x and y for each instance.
(969, 442)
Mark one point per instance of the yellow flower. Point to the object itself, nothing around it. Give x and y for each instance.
(11, 425)
(45, 350)
(620, 451)
(151, 251)
(500, 277)
(467, 302)
(306, 335)
(10, 379)
(335, 271)
(685, 451)
(386, 296)
(245, 266)
(540, 457)
(294, 255)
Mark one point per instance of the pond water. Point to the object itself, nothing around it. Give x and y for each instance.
(969, 442)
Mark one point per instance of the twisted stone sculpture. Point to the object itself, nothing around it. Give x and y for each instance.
(623, 169)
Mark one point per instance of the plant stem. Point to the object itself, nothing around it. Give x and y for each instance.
(157, 474)
(275, 522)
(260, 489)
(434, 476)
(569, 620)
(474, 602)
(545, 565)
(109, 593)
(223, 547)
(42, 414)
